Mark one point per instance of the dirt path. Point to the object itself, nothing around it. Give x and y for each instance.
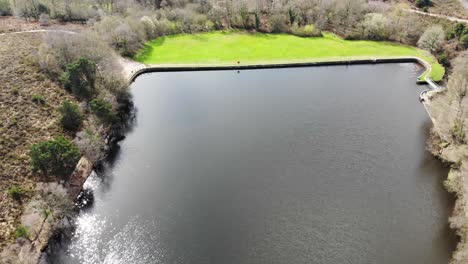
(453, 19)
(38, 31)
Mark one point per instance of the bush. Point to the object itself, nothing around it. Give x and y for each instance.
(38, 99)
(59, 50)
(376, 27)
(80, 78)
(458, 133)
(464, 41)
(21, 232)
(57, 157)
(44, 20)
(16, 192)
(149, 27)
(278, 24)
(306, 31)
(443, 59)
(30, 9)
(423, 3)
(125, 35)
(5, 8)
(71, 116)
(91, 145)
(103, 110)
(432, 39)
(456, 31)
(126, 40)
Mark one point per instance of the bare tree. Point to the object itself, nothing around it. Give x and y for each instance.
(432, 39)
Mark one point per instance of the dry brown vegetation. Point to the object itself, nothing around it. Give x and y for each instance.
(15, 24)
(443, 7)
(450, 142)
(23, 121)
(449, 8)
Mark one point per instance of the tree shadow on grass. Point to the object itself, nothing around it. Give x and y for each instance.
(144, 53)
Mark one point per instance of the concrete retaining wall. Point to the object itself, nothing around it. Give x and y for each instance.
(149, 68)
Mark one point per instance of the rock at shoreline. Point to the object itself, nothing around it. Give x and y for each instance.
(79, 176)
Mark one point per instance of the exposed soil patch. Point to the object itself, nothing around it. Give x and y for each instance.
(15, 24)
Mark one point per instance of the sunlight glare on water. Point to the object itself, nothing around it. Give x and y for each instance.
(134, 243)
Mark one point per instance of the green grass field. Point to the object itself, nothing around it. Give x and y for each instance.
(226, 48)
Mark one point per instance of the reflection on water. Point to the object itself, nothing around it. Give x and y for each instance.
(307, 165)
(128, 244)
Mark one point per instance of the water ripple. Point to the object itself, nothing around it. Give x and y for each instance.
(137, 242)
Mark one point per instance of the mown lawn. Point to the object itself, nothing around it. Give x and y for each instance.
(226, 48)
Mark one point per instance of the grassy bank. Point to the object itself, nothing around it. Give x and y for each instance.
(226, 48)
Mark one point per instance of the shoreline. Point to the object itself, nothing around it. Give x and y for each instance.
(456, 181)
(133, 69)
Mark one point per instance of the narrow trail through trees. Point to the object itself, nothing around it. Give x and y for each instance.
(453, 19)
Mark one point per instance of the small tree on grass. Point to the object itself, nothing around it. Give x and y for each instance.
(103, 110)
(80, 78)
(58, 157)
(71, 116)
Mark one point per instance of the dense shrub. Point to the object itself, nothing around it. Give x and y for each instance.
(306, 31)
(149, 27)
(278, 24)
(422, 3)
(376, 27)
(5, 8)
(456, 31)
(443, 59)
(458, 132)
(30, 9)
(38, 99)
(103, 110)
(125, 35)
(44, 20)
(464, 40)
(21, 232)
(59, 50)
(459, 31)
(71, 116)
(86, 66)
(91, 145)
(80, 78)
(56, 157)
(457, 86)
(15, 192)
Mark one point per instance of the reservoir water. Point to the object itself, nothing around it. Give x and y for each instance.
(299, 165)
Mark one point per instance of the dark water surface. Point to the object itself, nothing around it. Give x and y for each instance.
(306, 165)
